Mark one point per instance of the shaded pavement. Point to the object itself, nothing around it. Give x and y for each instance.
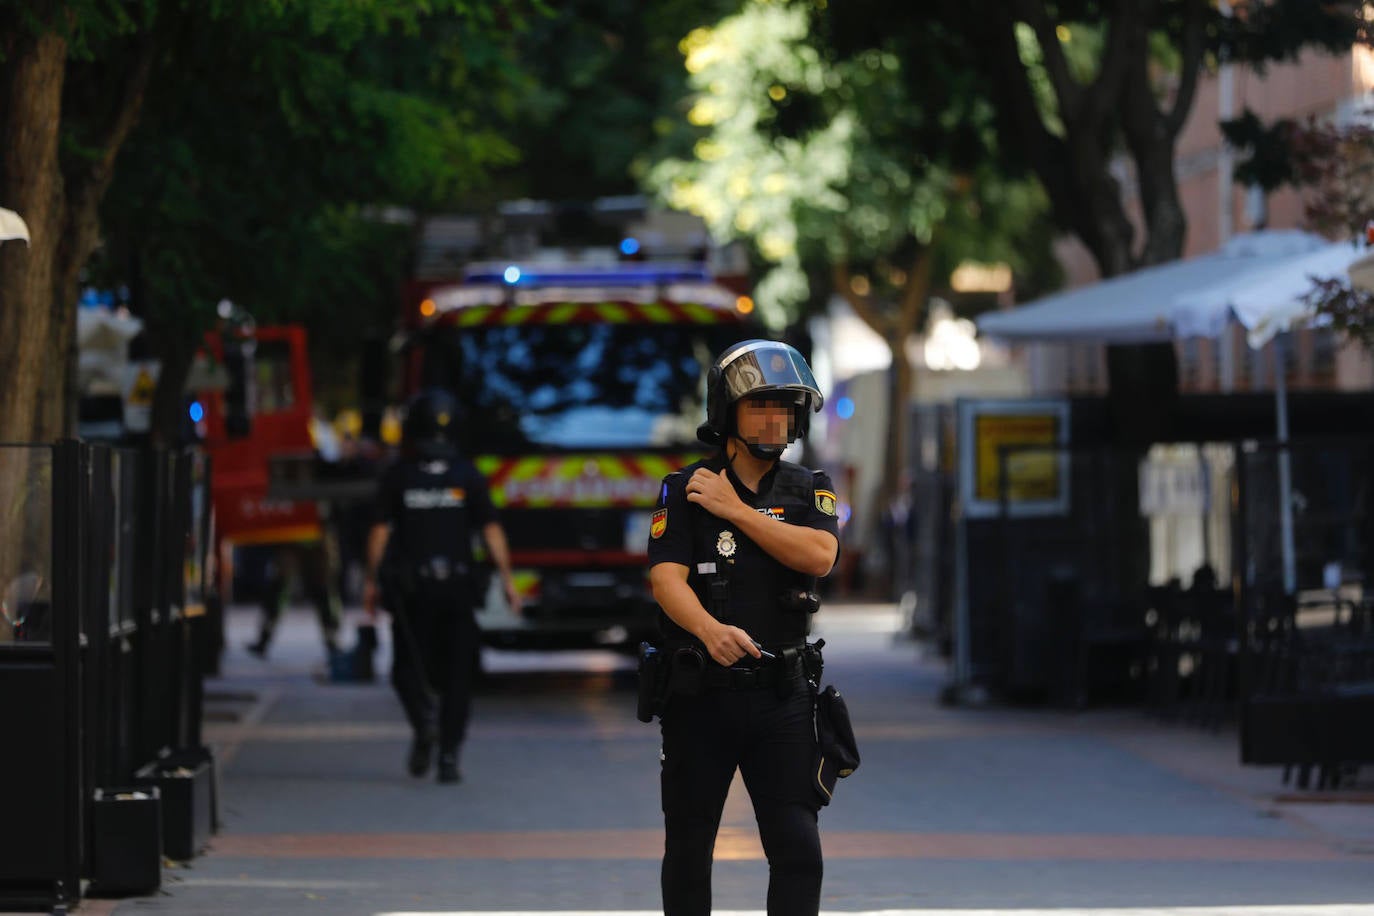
(999, 810)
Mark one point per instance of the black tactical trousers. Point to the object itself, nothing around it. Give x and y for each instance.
(771, 741)
(444, 633)
(313, 562)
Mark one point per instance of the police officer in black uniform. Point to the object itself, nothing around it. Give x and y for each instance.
(735, 547)
(431, 503)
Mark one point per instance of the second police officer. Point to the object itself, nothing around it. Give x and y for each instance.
(430, 505)
(735, 547)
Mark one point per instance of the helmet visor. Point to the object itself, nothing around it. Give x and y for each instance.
(767, 366)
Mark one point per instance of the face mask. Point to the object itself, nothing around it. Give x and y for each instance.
(765, 452)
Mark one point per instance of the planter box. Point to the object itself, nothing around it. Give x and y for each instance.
(126, 841)
(187, 803)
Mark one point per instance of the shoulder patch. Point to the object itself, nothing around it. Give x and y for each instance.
(825, 501)
(658, 523)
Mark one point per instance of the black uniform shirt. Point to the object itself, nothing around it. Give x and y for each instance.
(433, 507)
(685, 533)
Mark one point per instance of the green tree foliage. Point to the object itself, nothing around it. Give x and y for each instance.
(1332, 166)
(1075, 83)
(603, 76)
(273, 133)
(274, 158)
(844, 169)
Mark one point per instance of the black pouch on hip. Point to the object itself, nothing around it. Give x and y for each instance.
(651, 682)
(837, 753)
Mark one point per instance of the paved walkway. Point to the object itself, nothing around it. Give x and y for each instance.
(964, 811)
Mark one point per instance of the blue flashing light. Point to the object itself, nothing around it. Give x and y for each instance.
(196, 411)
(597, 275)
(844, 408)
(629, 246)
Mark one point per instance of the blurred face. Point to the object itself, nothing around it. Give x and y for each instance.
(766, 420)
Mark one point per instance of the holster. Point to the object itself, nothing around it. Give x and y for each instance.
(789, 662)
(686, 671)
(653, 678)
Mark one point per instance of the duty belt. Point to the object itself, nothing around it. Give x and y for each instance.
(742, 678)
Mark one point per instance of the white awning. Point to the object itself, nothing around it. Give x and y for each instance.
(1267, 301)
(1139, 307)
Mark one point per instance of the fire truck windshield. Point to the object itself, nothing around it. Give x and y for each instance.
(577, 386)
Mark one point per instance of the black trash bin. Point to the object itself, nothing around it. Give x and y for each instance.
(186, 783)
(126, 841)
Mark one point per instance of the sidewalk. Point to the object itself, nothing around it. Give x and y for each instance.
(968, 810)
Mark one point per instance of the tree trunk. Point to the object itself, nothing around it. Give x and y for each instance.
(896, 458)
(31, 183)
(1075, 165)
(895, 325)
(31, 75)
(1094, 210)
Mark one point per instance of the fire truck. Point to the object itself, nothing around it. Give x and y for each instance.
(581, 387)
(254, 425)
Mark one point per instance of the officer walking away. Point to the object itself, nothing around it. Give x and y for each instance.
(735, 547)
(432, 502)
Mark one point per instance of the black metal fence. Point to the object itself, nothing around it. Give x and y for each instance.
(1306, 657)
(103, 561)
(1059, 602)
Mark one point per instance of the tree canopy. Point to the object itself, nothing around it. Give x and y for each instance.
(273, 135)
(1077, 83)
(840, 170)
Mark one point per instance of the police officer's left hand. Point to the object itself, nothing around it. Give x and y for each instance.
(713, 492)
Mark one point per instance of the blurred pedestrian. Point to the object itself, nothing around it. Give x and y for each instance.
(431, 505)
(309, 563)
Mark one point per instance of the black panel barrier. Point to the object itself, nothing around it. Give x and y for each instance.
(42, 496)
(102, 577)
(1307, 658)
(1054, 595)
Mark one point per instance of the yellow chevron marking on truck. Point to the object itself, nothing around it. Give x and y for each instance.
(591, 481)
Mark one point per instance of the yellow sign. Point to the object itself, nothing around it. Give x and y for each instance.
(141, 392)
(1032, 474)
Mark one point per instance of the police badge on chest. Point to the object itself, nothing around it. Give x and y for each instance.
(725, 544)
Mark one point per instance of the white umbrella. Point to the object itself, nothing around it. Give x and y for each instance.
(12, 226)
(1267, 301)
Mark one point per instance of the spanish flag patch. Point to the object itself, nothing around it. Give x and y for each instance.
(658, 524)
(825, 501)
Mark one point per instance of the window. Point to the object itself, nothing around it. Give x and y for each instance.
(273, 389)
(568, 386)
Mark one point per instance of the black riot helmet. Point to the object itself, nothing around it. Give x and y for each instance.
(751, 368)
(430, 424)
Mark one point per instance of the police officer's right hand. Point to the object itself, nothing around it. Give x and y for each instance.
(727, 644)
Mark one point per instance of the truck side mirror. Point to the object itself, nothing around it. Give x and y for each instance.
(238, 411)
